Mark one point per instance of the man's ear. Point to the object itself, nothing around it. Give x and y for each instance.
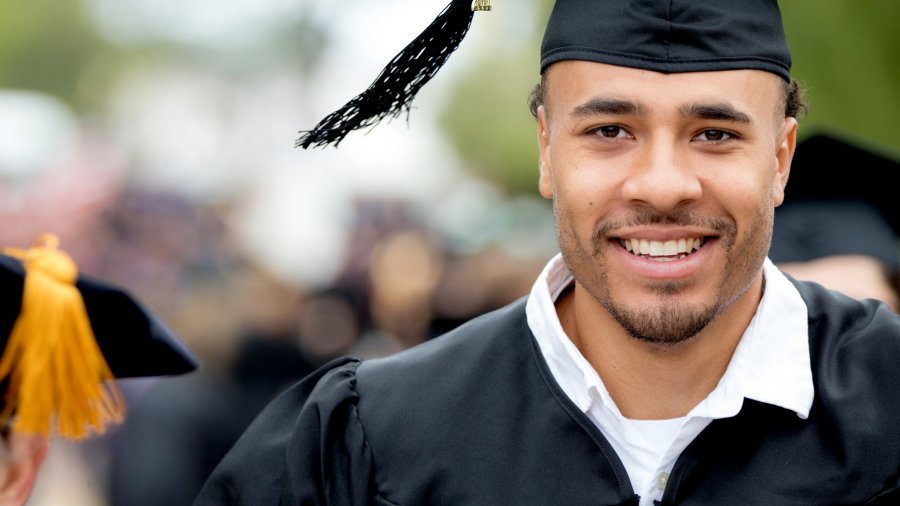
(20, 460)
(545, 182)
(784, 153)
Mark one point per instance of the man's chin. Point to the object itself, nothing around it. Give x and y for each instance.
(666, 325)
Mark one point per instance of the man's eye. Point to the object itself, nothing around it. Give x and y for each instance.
(611, 131)
(714, 135)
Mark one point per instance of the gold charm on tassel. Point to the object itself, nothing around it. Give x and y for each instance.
(481, 5)
(57, 374)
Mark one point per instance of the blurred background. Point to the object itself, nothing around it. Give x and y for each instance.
(156, 139)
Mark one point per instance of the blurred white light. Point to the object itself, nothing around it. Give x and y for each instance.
(35, 130)
(294, 222)
(212, 22)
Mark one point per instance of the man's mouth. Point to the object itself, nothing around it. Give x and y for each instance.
(662, 251)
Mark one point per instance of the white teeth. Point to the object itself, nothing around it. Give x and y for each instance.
(680, 247)
(670, 248)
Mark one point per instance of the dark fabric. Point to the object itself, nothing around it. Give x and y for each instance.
(847, 452)
(831, 168)
(474, 417)
(12, 283)
(669, 35)
(179, 429)
(133, 341)
(307, 448)
(827, 213)
(810, 229)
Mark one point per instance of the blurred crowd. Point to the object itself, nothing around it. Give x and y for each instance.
(399, 283)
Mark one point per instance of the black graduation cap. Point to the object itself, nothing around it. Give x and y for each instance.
(65, 337)
(840, 200)
(659, 35)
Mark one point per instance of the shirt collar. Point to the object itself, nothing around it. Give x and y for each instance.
(771, 363)
(571, 370)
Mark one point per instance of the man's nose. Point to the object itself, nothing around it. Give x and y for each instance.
(661, 177)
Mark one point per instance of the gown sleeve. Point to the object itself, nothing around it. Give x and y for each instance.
(307, 447)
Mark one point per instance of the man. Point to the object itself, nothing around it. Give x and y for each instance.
(65, 337)
(661, 358)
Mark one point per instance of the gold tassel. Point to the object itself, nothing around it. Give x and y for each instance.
(55, 367)
(481, 5)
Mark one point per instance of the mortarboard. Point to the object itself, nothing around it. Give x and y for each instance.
(838, 201)
(65, 337)
(659, 35)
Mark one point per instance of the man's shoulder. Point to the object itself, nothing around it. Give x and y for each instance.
(488, 365)
(468, 400)
(837, 319)
(854, 349)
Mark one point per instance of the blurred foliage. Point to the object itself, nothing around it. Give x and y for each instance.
(845, 52)
(56, 48)
(47, 45)
(487, 118)
(490, 126)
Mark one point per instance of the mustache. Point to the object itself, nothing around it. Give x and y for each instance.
(726, 226)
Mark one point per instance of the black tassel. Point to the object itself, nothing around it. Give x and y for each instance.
(397, 85)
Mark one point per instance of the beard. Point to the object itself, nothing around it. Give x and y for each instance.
(665, 319)
(665, 323)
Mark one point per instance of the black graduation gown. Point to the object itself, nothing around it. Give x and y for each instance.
(475, 418)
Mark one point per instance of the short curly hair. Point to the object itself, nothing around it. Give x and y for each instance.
(795, 104)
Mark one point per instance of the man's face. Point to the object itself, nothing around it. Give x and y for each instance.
(663, 187)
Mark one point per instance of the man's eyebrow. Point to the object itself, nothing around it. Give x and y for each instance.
(720, 111)
(597, 106)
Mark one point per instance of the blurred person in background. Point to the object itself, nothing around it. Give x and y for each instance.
(259, 334)
(477, 282)
(405, 285)
(403, 272)
(65, 338)
(840, 223)
(328, 326)
(59, 175)
(417, 289)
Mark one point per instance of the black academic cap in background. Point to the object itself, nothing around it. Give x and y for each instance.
(840, 200)
(130, 339)
(134, 342)
(660, 35)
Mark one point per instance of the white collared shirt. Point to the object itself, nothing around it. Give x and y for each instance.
(770, 364)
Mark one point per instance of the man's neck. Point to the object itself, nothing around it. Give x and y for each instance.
(654, 381)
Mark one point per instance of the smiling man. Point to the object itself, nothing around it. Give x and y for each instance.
(661, 358)
(663, 187)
